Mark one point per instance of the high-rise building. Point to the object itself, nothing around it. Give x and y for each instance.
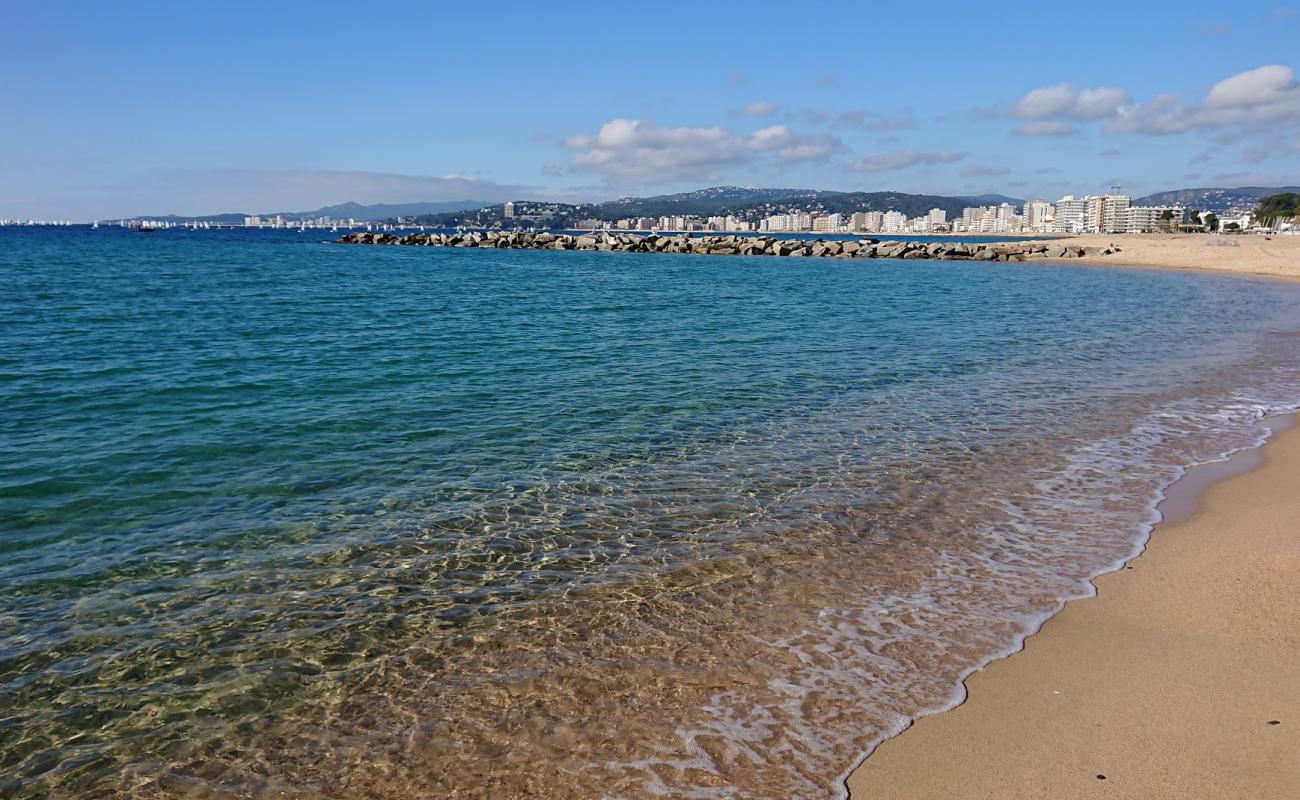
(1038, 215)
(1106, 213)
(893, 222)
(867, 221)
(827, 223)
(1070, 213)
(509, 209)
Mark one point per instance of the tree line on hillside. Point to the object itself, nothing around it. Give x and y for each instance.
(1278, 207)
(752, 210)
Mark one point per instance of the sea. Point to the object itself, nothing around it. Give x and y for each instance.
(286, 518)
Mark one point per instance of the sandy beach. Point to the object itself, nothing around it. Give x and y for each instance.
(1178, 680)
(1278, 256)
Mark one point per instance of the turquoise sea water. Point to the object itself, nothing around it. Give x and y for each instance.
(283, 517)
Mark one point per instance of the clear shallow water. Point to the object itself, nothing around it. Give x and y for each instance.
(284, 518)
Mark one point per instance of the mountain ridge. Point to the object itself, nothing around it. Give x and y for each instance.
(376, 212)
(747, 202)
(1219, 199)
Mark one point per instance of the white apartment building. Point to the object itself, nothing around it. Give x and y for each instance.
(1146, 219)
(1038, 215)
(780, 222)
(509, 209)
(1106, 213)
(894, 222)
(828, 223)
(868, 221)
(988, 219)
(1070, 213)
(937, 217)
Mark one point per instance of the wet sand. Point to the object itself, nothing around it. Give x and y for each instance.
(1253, 255)
(1180, 679)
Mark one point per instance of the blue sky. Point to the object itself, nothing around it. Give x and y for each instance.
(111, 110)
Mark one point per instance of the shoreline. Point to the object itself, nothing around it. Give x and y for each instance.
(1247, 255)
(1051, 717)
(1253, 255)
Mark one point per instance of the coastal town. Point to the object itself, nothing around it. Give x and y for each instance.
(1107, 213)
(1071, 215)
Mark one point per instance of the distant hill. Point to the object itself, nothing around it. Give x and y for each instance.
(372, 213)
(997, 199)
(706, 202)
(1220, 200)
(383, 211)
(913, 205)
(748, 204)
(231, 218)
(723, 200)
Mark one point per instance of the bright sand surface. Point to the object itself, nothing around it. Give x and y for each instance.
(1253, 254)
(1166, 682)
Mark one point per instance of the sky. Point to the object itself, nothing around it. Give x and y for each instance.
(138, 109)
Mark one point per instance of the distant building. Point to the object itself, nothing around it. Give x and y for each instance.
(1038, 215)
(828, 223)
(509, 210)
(1106, 213)
(1070, 213)
(1149, 219)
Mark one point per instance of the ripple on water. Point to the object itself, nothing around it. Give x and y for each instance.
(380, 523)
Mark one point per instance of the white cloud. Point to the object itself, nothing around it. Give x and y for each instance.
(1045, 127)
(1259, 99)
(770, 138)
(1165, 114)
(791, 145)
(639, 151)
(1243, 104)
(811, 147)
(635, 150)
(1271, 89)
(1064, 102)
(759, 108)
(901, 159)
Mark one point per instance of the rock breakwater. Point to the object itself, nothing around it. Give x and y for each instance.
(734, 245)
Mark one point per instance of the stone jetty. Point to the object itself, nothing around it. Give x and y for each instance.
(734, 245)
